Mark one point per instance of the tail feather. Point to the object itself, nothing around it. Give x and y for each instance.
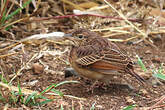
(132, 73)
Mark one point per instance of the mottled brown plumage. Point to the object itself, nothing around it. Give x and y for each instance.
(95, 57)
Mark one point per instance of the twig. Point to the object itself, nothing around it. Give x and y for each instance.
(5, 5)
(13, 45)
(74, 15)
(72, 4)
(161, 99)
(159, 106)
(126, 20)
(51, 36)
(14, 22)
(9, 54)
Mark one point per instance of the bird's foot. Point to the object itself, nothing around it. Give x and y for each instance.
(96, 84)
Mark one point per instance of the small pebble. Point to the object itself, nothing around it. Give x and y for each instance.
(37, 68)
(129, 100)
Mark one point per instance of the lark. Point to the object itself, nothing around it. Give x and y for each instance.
(95, 57)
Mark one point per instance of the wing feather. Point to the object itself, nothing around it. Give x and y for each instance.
(111, 59)
(88, 60)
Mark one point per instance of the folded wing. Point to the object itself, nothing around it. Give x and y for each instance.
(106, 61)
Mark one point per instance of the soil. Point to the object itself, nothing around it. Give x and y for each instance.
(105, 97)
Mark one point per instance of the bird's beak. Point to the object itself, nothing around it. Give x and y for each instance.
(67, 35)
(69, 39)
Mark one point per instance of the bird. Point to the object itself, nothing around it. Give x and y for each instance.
(95, 57)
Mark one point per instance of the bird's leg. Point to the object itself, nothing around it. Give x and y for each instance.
(96, 84)
(69, 72)
(91, 88)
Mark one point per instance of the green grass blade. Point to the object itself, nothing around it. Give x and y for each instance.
(72, 107)
(141, 64)
(159, 75)
(18, 10)
(3, 79)
(34, 97)
(30, 97)
(160, 70)
(93, 106)
(57, 92)
(20, 93)
(2, 98)
(3, 11)
(40, 96)
(3, 18)
(47, 89)
(13, 98)
(130, 107)
(62, 108)
(65, 82)
(56, 85)
(43, 102)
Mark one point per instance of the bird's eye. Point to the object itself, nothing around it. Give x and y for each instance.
(80, 36)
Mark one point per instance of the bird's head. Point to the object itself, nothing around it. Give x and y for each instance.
(80, 37)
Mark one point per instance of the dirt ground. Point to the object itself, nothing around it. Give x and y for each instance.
(108, 97)
(44, 63)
